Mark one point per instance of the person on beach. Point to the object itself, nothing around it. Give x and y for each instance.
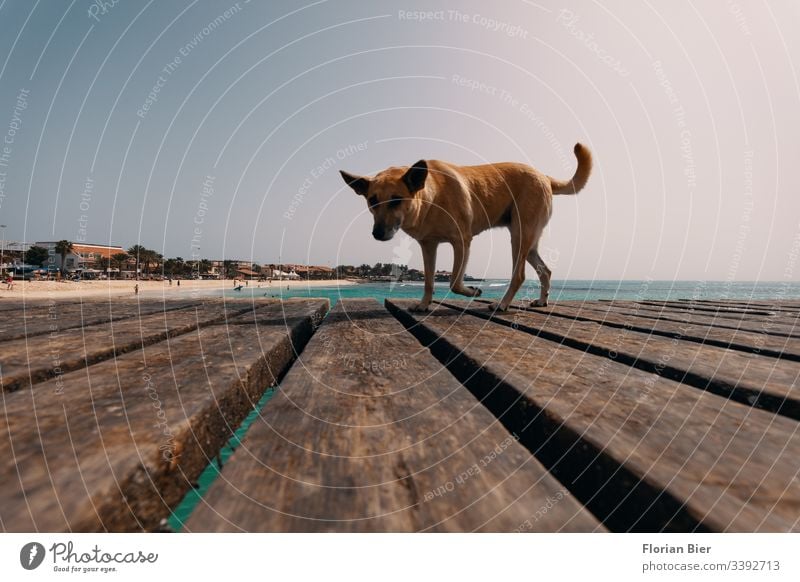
(136, 289)
(179, 282)
(10, 283)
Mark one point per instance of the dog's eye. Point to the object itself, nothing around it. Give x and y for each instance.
(395, 202)
(372, 201)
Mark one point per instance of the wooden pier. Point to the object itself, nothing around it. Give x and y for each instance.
(578, 417)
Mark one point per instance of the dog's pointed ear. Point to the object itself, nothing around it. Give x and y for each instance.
(415, 176)
(359, 184)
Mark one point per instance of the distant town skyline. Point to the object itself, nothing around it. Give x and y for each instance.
(21, 246)
(218, 129)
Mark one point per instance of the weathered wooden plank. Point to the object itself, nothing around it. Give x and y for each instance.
(745, 377)
(643, 452)
(729, 311)
(44, 319)
(756, 304)
(771, 326)
(117, 445)
(700, 305)
(736, 339)
(31, 360)
(369, 433)
(727, 316)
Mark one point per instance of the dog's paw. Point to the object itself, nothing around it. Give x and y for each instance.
(497, 308)
(467, 291)
(539, 303)
(420, 307)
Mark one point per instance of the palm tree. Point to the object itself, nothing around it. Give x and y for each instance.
(63, 248)
(104, 263)
(147, 257)
(136, 252)
(180, 266)
(204, 266)
(121, 259)
(169, 267)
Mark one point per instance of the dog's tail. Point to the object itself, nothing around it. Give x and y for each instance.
(581, 176)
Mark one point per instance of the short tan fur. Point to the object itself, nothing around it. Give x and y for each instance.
(436, 202)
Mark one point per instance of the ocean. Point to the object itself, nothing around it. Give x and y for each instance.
(560, 290)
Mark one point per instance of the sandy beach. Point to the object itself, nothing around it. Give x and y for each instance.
(73, 289)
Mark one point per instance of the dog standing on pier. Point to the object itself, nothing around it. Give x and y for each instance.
(436, 202)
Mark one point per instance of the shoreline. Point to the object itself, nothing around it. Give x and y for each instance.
(115, 288)
(53, 290)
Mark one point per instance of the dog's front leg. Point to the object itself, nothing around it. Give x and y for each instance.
(429, 261)
(460, 258)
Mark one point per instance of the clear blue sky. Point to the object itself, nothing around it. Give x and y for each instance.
(692, 110)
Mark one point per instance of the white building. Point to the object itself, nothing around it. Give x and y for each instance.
(12, 253)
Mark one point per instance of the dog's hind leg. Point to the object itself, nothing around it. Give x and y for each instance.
(460, 258)
(535, 259)
(521, 241)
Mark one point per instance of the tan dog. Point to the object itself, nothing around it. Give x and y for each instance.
(436, 202)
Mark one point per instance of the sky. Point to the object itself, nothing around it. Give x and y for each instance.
(217, 129)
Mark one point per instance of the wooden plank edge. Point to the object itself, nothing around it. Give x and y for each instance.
(78, 362)
(135, 506)
(719, 322)
(782, 355)
(110, 319)
(788, 407)
(698, 306)
(597, 480)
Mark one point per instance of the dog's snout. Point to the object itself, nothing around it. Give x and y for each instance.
(380, 232)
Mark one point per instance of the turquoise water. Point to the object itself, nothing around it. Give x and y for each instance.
(184, 509)
(561, 290)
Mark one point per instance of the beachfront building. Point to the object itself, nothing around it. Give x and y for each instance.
(301, 271)
(83, 256)
(228, 267)
(247, 273)
(12, 253)
(279, 272)
(313, 272)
